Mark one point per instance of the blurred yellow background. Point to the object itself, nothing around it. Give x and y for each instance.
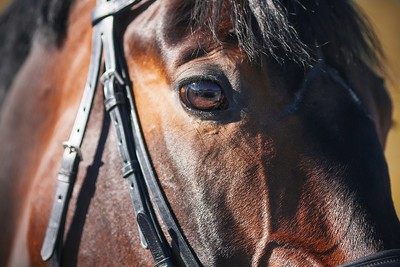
(385, 17)
(3, 3)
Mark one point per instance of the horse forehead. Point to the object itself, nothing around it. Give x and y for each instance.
(154, 37)
(172, 24)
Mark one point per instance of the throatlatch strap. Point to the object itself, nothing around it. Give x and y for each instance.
(71, 157)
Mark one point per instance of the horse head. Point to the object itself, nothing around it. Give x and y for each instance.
(265, 124)
(263, 159)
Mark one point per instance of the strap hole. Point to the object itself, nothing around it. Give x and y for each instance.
(132, 186)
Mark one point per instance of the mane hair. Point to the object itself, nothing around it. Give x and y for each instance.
(282, 29)
(292, 28)
(54, 20)
(18, 25)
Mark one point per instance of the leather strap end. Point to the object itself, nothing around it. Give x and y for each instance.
(158, 249)
(49, 242)
(56, 221)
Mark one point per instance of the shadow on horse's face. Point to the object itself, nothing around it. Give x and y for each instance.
(262, 162)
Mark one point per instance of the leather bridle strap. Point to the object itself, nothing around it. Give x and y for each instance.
(116, 104)
(136, 163)
(71, 157)
(137, 168)
(111, 8)
(388, 258)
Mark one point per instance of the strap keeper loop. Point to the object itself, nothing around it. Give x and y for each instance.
(113, 101)
(109, 74)
(65, 176)
(129, 167)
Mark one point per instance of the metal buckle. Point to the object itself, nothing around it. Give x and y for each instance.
(72, 148)
(111, 73)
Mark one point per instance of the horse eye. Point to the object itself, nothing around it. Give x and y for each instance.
(203, 95)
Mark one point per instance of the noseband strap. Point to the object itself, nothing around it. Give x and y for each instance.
(136, 166)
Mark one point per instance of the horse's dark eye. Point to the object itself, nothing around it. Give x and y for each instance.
(203, 95)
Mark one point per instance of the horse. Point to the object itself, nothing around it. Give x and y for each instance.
(262, 122)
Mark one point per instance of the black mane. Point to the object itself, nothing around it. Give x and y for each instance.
(294, 27)
(281, 28)
(18, 25)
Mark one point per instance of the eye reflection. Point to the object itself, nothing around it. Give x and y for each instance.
(203, 95)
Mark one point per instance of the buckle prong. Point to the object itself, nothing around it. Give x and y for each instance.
(111, 73)
(72, 148)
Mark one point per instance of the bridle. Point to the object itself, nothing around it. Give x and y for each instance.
(136, 166)
(145, 191)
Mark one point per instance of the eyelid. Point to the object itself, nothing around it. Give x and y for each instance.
(199, 78)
